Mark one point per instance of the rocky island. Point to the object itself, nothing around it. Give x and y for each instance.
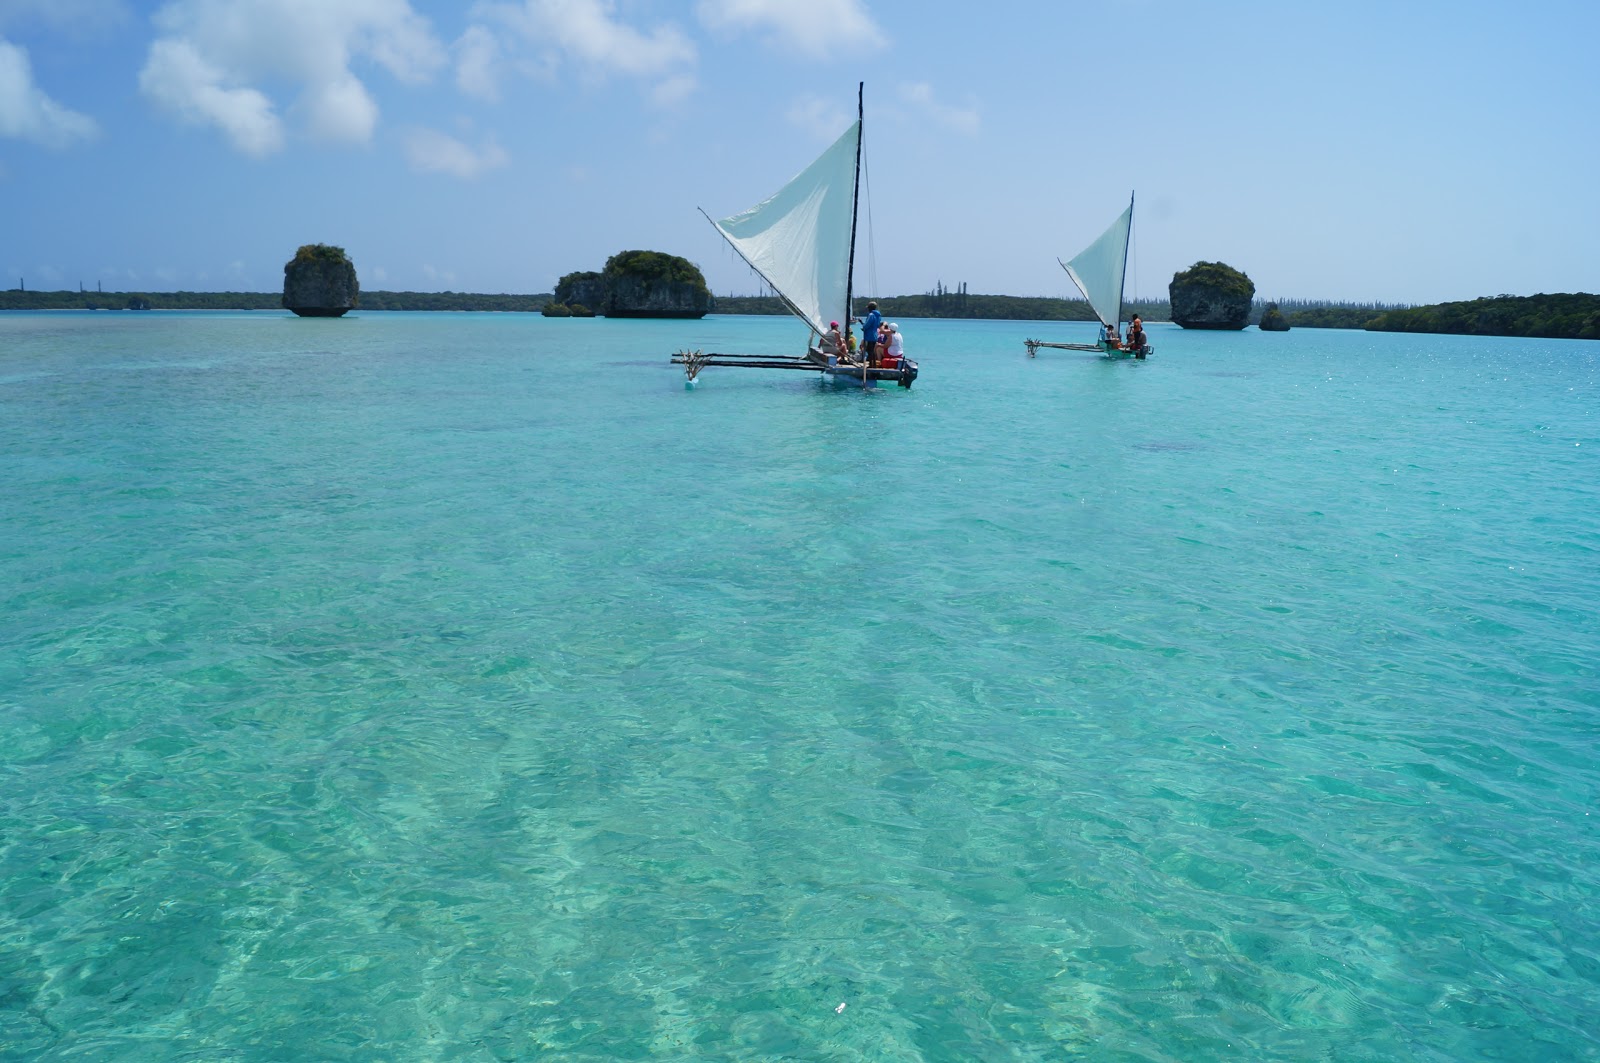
(1272, 320)
(635, 284)
(320, 281)
(1211, 295)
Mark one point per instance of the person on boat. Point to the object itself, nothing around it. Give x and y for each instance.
(1136, 334)
(897, 345)
(1113, 339)
(832, 342)
(869, 332)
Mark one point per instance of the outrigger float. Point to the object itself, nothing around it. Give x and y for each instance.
(1099, 271)
(802, 242)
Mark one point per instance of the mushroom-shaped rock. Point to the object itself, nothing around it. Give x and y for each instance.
(1211, 295)
(320, 281)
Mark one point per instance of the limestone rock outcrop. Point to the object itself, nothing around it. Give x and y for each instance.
(640, 284)
(1272, 320)
(1211, 295)
(581, 289)
(320, 281)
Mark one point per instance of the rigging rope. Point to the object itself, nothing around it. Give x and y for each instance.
(872, 244)
(1132, 226)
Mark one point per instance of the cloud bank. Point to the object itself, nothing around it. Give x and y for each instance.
(817, 28)
(26, 113)
(583, 36)
(217, 63)
(430, 151)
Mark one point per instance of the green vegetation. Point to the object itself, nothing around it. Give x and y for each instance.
(1574, 316)
(527, 304)
(1219, 276)
(643, 267)
(1272, 319)
(768, 305)
(637, 284)
(992, 307)
(656, 266)
(31, 300)
(959, 304)
(1301, 314)
(319, 253)
(579, 285)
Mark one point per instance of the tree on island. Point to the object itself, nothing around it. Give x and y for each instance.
(320, 281)
(1558, 316)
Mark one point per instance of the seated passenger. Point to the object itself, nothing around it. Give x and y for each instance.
(1136, 334)
(832, 342)
(897, 346)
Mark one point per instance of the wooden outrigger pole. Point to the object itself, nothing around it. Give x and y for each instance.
(694, 361)
(1034, 345)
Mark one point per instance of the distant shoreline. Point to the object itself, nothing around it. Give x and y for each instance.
(1557, 316)
(941, 304)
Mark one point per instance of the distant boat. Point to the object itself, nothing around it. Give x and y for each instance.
(1100, 272)
(802, 241)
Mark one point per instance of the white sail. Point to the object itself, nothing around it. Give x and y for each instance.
(799, 238)
(1099, 269)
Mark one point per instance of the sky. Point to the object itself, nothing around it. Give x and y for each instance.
(1398, 152)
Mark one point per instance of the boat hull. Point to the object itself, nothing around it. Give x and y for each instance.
(825, 366)
(1119, 353)
(1104, 349)
(857, 376)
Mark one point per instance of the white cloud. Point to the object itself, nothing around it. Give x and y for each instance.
(217, 60)
(820, 28)
(920, 95)
(431, 151)
(177, 78)
(438, 276)
(674, 90)
(587, 35)
(27, 113)
(339, 111)
(823, 119)
(478, 64)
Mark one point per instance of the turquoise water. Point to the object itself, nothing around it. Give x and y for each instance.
(460, 687)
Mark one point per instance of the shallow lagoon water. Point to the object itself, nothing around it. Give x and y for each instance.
(461, 687)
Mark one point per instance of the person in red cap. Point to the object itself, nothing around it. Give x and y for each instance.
(832, 342)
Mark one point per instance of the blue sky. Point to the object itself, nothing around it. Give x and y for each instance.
(1410, 152)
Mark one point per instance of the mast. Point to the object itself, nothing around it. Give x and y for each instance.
(1123, 287)
(855, 205)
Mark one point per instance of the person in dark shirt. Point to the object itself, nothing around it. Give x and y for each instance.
(1136, 334)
